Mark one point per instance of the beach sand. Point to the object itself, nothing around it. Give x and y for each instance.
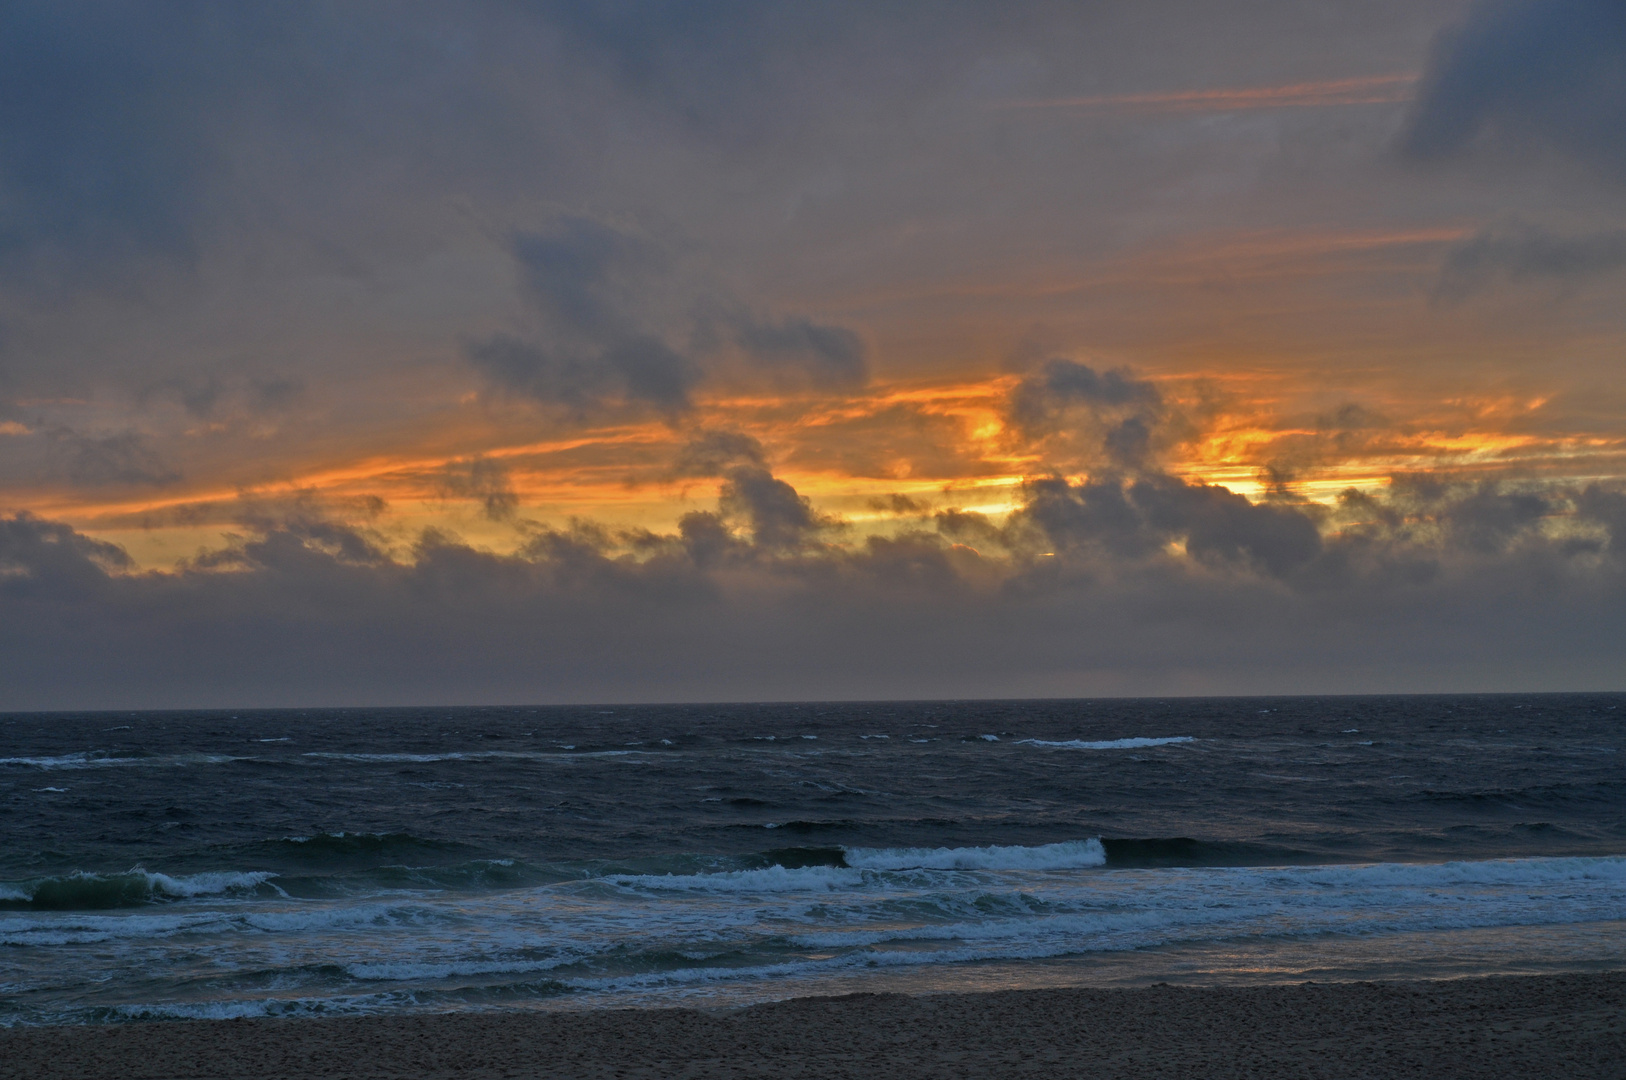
(1561, 1026)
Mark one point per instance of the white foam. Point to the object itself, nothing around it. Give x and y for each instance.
(71, 761)
(768, 879)
(893, 908)
(97, 760)
(475, 755)
(1071, 854)
(1108, 744)
(157, 885)
(1486, 872)
(410, 758)
(214, 884)
(411, 971)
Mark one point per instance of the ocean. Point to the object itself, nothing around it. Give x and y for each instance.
(328, 861)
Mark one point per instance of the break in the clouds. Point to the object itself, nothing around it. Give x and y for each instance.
(516, 350)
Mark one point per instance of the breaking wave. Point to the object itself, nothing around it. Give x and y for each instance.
(133, 888)
(1071, 854)
(1108, 744)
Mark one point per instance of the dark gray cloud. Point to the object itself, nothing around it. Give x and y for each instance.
(102, 141)
(124, 458)
(1143, 517)
(1060, 383)
(718, 66)
(626, 320)
(251, 511)
(1352, 416)
(778, 517)
(900, 505)
(1110, 417)
(602, 340)
(32, 550)
(483, 480)
(210, 396)
(830, 356)
(775, 516)
(1529, 253)
(713, 453)
(590, 278)
(1547, 72)
(1432, 586)
(127, 129)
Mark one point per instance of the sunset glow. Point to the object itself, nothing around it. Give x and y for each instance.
(752, 318)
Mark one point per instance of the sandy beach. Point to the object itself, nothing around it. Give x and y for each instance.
(1571, 1026)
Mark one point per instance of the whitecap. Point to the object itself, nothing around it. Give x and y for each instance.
(1070, 854)
(1108, 744)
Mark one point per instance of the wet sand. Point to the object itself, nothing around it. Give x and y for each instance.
(1571, 1026)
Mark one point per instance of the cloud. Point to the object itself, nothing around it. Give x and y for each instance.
(776, 516)
(779, 518)
(593, 286)
(1529, 253)
(1109, 417)
(483, 480)
(830, 356)
(122, 459)
(256, 512)
(712, 453)
(1142, 518)
(214, 396)
(1544, 72)
(32, 550)
(103, 137)
(1149, 585)
(900, 505)
(627, 321)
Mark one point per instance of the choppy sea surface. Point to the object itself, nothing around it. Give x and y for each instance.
(213, 864)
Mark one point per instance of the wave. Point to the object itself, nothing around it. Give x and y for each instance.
(565, 753)
(1109, 744)
(1071, 854)
(133, 888)
(1604, 791)
(321, 845)
(1487, 872)
(111, 759)
(1178, 851)
(795, 858)
(771, 879)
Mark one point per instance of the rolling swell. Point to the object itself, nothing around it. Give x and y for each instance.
(1172, 851)
(348, 848)
(134, 888)
(1606, 792)
(794, 858)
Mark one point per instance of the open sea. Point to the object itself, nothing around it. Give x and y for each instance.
(218, 864)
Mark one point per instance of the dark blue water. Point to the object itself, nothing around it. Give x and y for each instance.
(164, 864)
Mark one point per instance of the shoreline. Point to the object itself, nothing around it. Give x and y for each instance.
(1571, 1025)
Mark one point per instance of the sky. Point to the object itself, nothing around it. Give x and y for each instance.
(534, 351)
